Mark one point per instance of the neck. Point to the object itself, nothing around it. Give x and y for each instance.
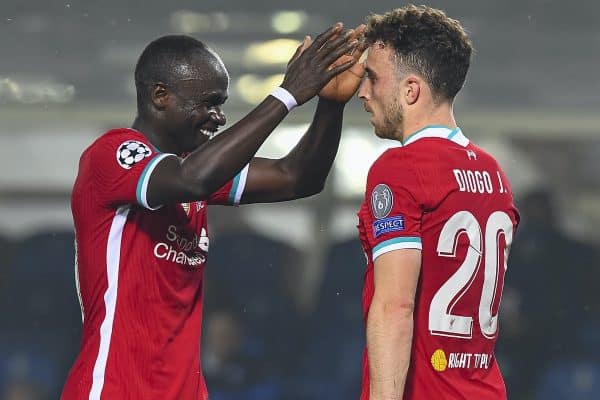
(437, 115)
(149, 129)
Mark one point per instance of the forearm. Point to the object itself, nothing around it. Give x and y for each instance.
(389, 341)
(217, 161)
(312, 158)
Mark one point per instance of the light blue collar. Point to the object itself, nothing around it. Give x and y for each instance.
(438, 131)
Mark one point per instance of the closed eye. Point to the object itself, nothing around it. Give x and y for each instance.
(370, 74)
(215, 100)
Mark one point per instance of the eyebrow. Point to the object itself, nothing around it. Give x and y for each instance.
(370, 72)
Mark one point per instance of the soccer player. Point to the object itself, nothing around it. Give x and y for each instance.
(437, 221)
(140, 198)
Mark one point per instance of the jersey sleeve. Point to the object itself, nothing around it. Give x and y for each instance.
(393, 219)
(121, 164)
(231, 193)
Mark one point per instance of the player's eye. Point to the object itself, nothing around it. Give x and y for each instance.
(214, 101)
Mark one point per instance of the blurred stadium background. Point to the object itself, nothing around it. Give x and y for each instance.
(282, 314)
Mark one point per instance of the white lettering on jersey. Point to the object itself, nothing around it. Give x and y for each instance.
(473, 181)
(184, 250)
(502, 190)
(469, 360)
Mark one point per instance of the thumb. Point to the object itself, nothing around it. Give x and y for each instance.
(305, 43)
(303, 46)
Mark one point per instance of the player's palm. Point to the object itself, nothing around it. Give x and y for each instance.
(343, 86)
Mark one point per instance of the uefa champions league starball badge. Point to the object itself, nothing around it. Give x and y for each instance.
(132, 152)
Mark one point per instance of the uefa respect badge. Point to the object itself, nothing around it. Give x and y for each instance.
(387, 225)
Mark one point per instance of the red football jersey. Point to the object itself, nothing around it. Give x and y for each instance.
(139, 277)
(443, 195)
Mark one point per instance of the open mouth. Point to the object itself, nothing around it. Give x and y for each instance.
(208, 133)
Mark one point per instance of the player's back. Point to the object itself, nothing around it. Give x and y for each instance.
(468, 221)
(451, 198)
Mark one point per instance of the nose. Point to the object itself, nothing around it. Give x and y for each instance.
(217, 115)
(362, 90)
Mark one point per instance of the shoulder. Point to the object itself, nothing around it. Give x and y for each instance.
(394, 166)
(389, 160)
(115, 137)
(391, 180)
(483, 155)
(127, 146)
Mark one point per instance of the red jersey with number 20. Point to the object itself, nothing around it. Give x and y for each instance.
(139, 277)
(443, 195)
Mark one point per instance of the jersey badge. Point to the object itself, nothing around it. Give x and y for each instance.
(132, 152)
(439, 362)
(382, 201)
(387, 225)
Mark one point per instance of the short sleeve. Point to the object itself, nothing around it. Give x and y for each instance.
(393, 218)
(121, 163)
(231, 193)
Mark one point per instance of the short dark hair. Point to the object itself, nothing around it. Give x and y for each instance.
(428, 43)
(160, 59)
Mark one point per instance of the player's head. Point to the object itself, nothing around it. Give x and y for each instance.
(417, 57)
(181, 85)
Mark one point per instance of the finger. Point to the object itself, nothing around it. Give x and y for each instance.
(340, 51)
(325, 36)
(357, 70)
(306, 43)
(359, 50)
(303, 46)
(334, 44)
(336, 36)
(359, 31)
(339, 69)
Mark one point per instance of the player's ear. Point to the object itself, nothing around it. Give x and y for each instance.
(159, 95)
(412, 89)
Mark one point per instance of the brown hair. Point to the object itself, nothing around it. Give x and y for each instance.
(426, 42)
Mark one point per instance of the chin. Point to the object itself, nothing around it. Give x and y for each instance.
(200, 141)
(382, 134)
(189, 147)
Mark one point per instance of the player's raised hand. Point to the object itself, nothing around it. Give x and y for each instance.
(310, 68)
(343, 86)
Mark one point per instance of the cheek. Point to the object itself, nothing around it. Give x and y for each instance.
(388, 98)
(382, 92)
(178, 117)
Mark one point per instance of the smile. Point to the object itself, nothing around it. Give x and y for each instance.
(208, 133)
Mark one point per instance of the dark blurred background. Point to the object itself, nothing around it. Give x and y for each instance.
(282, 313)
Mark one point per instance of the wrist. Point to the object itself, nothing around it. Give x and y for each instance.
(332, 103)
(284, 96)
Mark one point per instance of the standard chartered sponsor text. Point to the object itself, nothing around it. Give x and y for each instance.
(184, 250)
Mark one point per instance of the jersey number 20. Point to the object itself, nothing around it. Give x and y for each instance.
(441, 320)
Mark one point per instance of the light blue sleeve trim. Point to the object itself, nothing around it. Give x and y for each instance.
(239, 184)
(142, 185)
(408, 242)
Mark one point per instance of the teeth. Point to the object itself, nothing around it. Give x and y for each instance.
(207, 133)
